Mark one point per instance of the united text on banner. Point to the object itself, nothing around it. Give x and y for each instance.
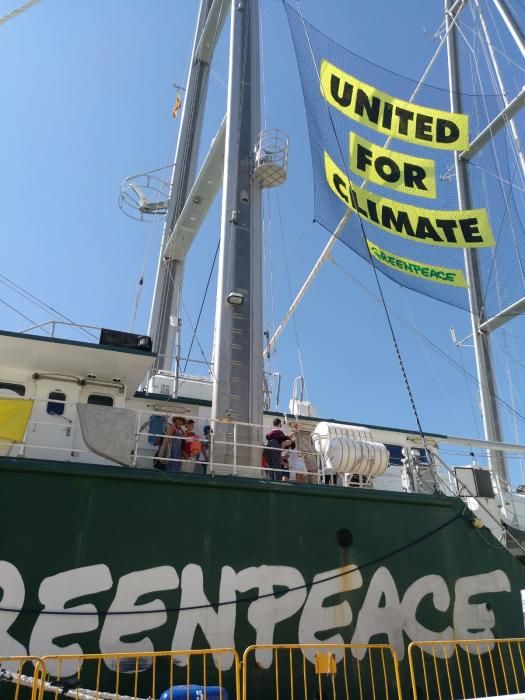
(389, 115)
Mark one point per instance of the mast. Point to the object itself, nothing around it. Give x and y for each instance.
(499, 78)
(238, 362)
(484, 363)
(164, 317)
(512, 25)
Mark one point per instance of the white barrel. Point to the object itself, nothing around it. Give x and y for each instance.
(325, 431)
(363, 457)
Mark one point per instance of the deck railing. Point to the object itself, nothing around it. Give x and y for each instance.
(59, 437)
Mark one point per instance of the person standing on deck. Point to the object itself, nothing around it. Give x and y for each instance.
(276, 440)
(204, 459)
(177, 436)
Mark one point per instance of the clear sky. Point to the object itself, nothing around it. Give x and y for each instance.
(87, 93)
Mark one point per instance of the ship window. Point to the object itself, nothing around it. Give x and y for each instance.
(100, 400)
(483, 481)
(8, 388)
(55, 404)
(396, 455)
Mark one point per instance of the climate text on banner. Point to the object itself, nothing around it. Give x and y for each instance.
(453, 229)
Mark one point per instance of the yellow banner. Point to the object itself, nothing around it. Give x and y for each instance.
(454, 229)
(398, 171)
(403, 120)
(443, 275)
(14, 417)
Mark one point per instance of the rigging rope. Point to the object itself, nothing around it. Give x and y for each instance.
(441, 352)
(194, 336)
(429, 364)
(206, 361)
(40, 304)
(505, 360)
(251, 598)
(2, 301)
(287, 268)
(271, 286)
(476, 80)
(475, 414)
(18, 11)
(370, 256)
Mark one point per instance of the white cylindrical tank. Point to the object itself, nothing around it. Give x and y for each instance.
(349, 449)
(325, 431)
(345, 456)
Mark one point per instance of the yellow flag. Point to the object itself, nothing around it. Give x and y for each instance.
(14, 417)
(176, 106)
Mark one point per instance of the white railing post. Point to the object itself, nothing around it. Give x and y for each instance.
(234, 449)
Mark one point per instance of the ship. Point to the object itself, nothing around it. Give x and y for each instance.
(118, 545)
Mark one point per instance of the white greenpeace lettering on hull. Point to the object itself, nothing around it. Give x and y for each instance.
(54, 593)
(476, 620)
(318, 618)
(217, 626)
(265, 613)
(436, 587)
(380, 614)
(383, 615)
(12, 591)
(129, 589)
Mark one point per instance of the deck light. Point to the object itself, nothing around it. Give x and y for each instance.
(235, 298)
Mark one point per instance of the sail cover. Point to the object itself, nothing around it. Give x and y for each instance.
(383, 164)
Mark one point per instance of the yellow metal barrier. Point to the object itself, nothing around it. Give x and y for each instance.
(131, 676)
(22, 672)
(474, 668)
(321, 672)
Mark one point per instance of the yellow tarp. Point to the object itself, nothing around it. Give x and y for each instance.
(14, 417)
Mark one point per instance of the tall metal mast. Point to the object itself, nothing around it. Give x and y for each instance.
(489, 406)
(164, 317)
(238, 363)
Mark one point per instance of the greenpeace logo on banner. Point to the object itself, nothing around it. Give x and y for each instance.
(388, 115)
(443, 275)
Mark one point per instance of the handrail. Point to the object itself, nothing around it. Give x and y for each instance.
(143, 453)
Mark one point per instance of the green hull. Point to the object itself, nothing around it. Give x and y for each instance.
(101, 541)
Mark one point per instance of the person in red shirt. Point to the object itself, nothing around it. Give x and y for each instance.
(189, 435)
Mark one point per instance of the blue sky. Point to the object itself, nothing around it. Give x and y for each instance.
(87, 92)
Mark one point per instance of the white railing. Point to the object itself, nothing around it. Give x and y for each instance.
(82, 328)
(59, 438)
